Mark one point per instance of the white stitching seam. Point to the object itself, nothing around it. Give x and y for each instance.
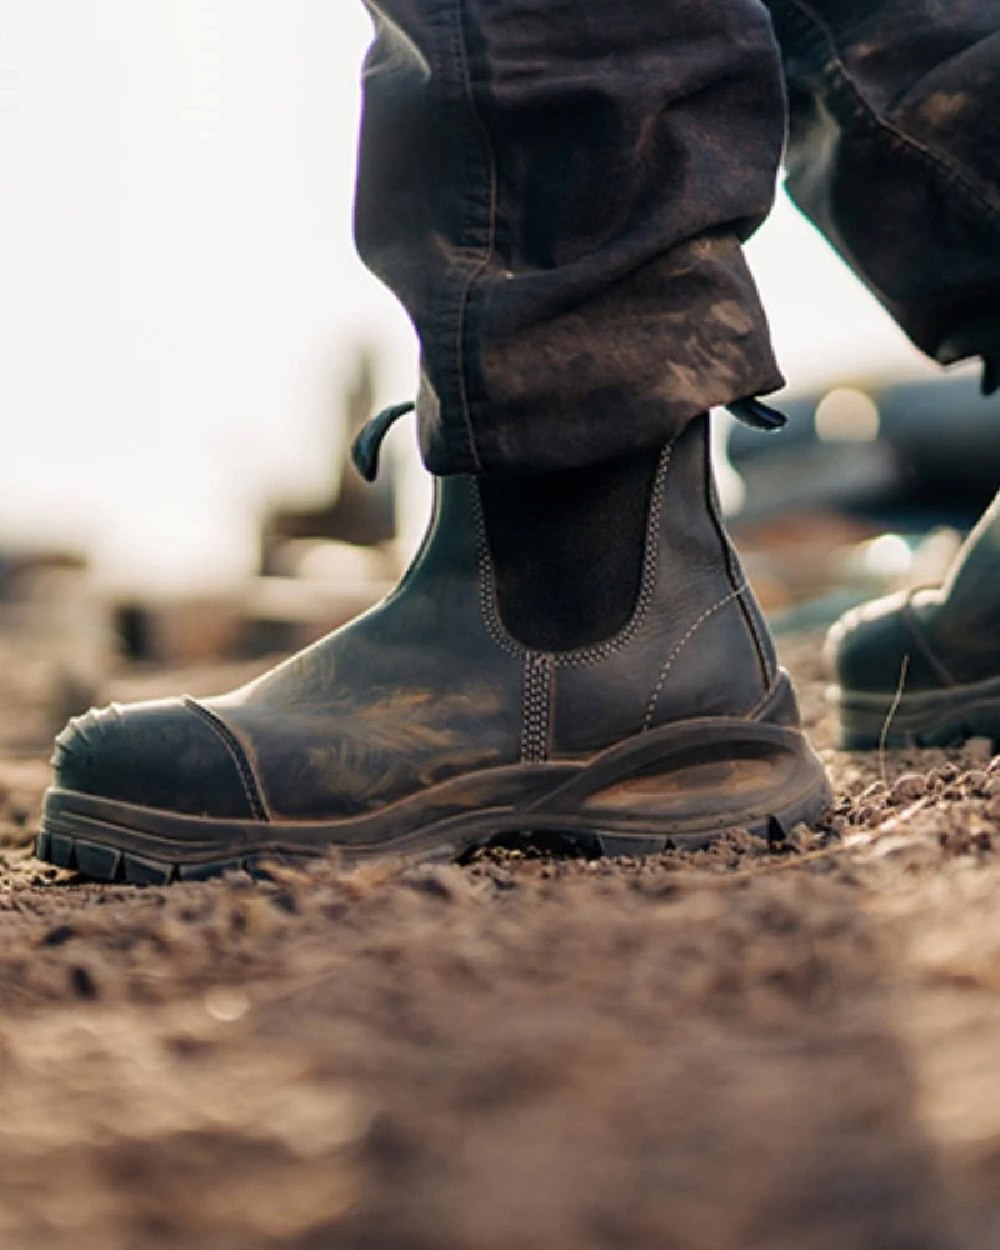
(536, 708)
(839, 73)
(586, 655)
(672, 657)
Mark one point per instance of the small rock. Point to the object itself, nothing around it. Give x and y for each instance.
(59, 935)
(979, 749)
(445, 882)
(908, 788)
(83, 982)
(975, 781)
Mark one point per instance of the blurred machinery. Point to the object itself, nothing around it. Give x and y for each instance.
(320, 564)
(356, 512)
(922, 452)
(870, 488)
(56, 644)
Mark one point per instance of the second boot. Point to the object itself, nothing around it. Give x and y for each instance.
(923, 668)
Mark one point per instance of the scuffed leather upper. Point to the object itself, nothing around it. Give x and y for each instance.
(429, 685)
(158, 754)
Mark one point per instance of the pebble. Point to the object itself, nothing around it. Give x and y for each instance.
(908, 788)
(976, 781)
(979, 749)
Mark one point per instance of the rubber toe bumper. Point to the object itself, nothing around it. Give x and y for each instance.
(170, 754)
(867, 647)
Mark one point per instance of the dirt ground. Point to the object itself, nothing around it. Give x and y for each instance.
(730, 1050)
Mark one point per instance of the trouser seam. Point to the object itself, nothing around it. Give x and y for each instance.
(480, 235)
(846, 91)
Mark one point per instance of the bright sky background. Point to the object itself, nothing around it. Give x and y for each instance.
(179, 295)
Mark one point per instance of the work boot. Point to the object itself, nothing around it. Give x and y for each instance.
(575, 653)
(923, 668)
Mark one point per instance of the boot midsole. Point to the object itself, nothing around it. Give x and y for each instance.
(931, 718)
(679, 781)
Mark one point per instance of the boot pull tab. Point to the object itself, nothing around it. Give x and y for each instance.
(366, 447)
(757, 415)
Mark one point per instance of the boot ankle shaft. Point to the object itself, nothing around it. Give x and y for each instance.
(567, 549)
(570, 550)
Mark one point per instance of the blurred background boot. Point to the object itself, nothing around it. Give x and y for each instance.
(923, 668)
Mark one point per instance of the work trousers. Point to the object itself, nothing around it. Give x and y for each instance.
(558, 193)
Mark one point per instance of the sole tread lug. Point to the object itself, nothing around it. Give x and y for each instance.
(140, 871)
(101, 862)
(61, 850)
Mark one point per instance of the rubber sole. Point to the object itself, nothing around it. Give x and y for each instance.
(938, 718)
(677, 786)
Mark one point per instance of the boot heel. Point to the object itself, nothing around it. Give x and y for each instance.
(685, 784)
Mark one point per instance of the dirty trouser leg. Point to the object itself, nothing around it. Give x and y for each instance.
(557, 192)
(894, 153)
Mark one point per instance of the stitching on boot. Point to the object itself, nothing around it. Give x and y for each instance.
(487, 591)
(234, 747)
(536, 717)
(647, 583)
(671, 659)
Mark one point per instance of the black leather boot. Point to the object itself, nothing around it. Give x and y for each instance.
(924, 668)
(429, 725)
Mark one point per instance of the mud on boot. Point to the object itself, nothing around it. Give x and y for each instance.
(436, 722)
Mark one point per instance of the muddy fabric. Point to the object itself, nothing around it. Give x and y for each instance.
(557, 193)
(894, 153)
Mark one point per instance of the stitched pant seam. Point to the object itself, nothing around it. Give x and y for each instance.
(845, 89)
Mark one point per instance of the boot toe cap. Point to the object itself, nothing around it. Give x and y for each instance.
(166, 754)
(873, 647)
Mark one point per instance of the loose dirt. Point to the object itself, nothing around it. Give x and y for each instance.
(738, 1049)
